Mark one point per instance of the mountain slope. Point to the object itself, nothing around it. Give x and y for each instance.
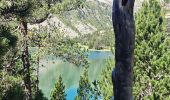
(94, 16)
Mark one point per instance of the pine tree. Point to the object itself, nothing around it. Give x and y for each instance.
(105, 82)
(10, 88)
(59, 91)
(152, 54)
(23, 11)
(84, 91)
(7, 41)
(31, 11)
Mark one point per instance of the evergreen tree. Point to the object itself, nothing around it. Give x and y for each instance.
(23, 11)
(84, 91)
(10, 88)
(7, 41)
(152, 54)
(105, 82)
(59, 91)
(40, 96)
(31, 11)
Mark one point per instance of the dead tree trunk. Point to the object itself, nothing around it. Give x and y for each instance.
(25, 60)
(124, 28)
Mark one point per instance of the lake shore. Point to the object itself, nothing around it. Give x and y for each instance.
(100, 50)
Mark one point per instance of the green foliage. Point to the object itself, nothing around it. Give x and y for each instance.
(67, 5)
(53, 42)
(167, 1)
(27, 11)
(105, 81)
(152, 54)
(10, 88)
(40, 96)
(71, 51)
(96, 92)
(98, 40)
(59, 91)
(6, 38)
(100, 89)
(84, 91)
(32, 11)
(20, 8)
(7, 41)
(36, 11)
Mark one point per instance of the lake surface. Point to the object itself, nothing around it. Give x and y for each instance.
(54, 67)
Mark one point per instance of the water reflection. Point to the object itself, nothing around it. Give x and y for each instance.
(69, 72)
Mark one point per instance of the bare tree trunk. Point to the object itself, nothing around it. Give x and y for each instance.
(25, 60)
(124, 28)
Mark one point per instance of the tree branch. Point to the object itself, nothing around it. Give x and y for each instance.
(14, 9)
(37, 21)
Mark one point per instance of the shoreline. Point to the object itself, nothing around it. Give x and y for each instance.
(100, 50)
(84, 46)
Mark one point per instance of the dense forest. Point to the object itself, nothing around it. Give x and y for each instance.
(68, 30)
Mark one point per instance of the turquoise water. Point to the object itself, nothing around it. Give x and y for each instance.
(70, 73)
(71, 93)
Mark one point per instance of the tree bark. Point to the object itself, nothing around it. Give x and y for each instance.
(25, 60)
(124, 28)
